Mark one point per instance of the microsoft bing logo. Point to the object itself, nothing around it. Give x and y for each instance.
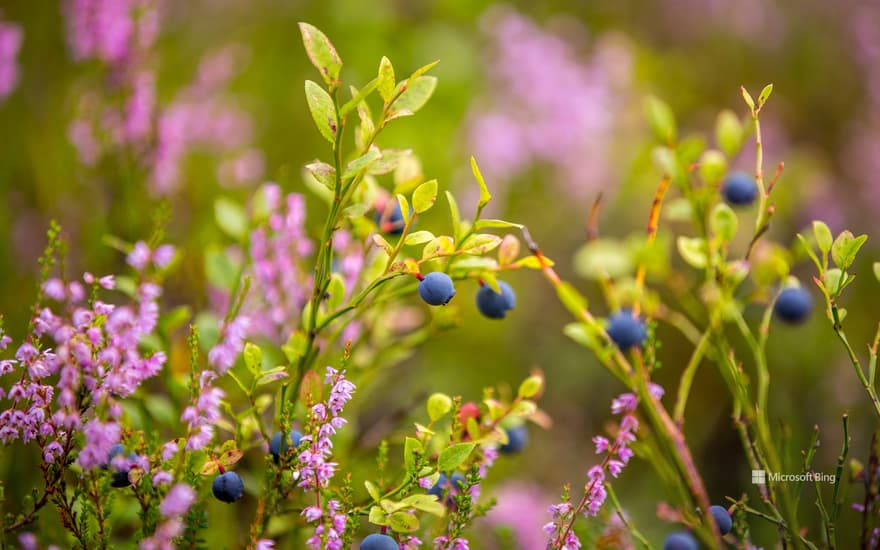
(759, 477)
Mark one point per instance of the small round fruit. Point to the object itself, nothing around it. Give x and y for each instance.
(626, 330)
(436, 288)
(278, 446)
(740, 189)
(793, 305)
(516, 440)
(494, 305)
(680, 541)
(391, 223)
(468, 410)
(722, 519)
(378, 541)
(445, 484)
(120, 475)
(228, 487)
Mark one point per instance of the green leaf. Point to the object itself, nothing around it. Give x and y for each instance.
(380, 241)
(747, 97)
(480, 243)
(661, 119)
(424, 196)
(323, 173)
(713, 166)
(230, 217)
(573, 300)
(322, 53)
(386, 79)
(403, 522)
(729, 132)
(389, 161)
(336, 290)
(524, 409)
(411, 447)
(416, 94)
(877, 270)
(404, 208)
(693, 250)
(485, 196)
(496, 224)
(427, 504)
(454, 216)
(453, 456)
(423, 69)
(295, 346)
(582, 334)
(845, 248)
(219, 269)
(372, 490)
(357, 97)
(603, 258)
(440, 246)
(323, 111)
(723, 222)
(418, 237)
(530, 387)
(824, 239)
(272, 375)
(361, 163)
(253, 358)
(439, 404)
(378, 516)
(765, 95)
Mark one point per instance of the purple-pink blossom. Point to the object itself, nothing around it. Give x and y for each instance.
(178, 501)
(11, 37)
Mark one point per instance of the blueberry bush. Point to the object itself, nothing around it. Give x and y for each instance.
(239, 393)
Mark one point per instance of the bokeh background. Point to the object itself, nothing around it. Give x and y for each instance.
(548, 97)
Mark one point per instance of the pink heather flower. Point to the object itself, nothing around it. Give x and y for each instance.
(161, 477)
(11, 37)
(625, 402)
(265, 544)
(169, 449)
(100, 438)
(444, 543)
(163, 538)
(601, 444)
(139, 257)
(410, 542)
(548, 105)
(203, 413)
(28, 541)
(178, 501)
(232, 336)
(519, 506)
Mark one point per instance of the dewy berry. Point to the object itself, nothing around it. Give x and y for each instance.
(516, 440)
(740, 189)
(680, 541)
(450, 486)
(279, 446)
(793, 305)
(494, 305)
(436, 288)
(626, 330)
(378, 541)
(722, 519)
(228, 487)
(390, 218)
(120, 475)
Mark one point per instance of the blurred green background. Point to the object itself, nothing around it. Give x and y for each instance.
(823, 121)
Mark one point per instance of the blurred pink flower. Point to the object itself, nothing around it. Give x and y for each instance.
(11, 37)
(521, 507)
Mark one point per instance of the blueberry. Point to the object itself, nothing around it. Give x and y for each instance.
(516, 440)
(680, 541)
(722, 519)
(228, 487)
(444, 484)
(379, 542)
(494, 305)
(391, 223)
(277, 447)
(740, 189)
(626, 330)
(436, 289)
(793, 305)
(120, 476)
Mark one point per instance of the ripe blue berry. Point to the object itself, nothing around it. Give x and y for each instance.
(391, 222)
(740, 189)
(722, 519)
(120, 476)
(793, 305)
(626, 330)
(494, 305)
(228, 487)
(680, 541)
(436, 289)
(278, 447)
(379, 542)
(445, 484)
(516, 440)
